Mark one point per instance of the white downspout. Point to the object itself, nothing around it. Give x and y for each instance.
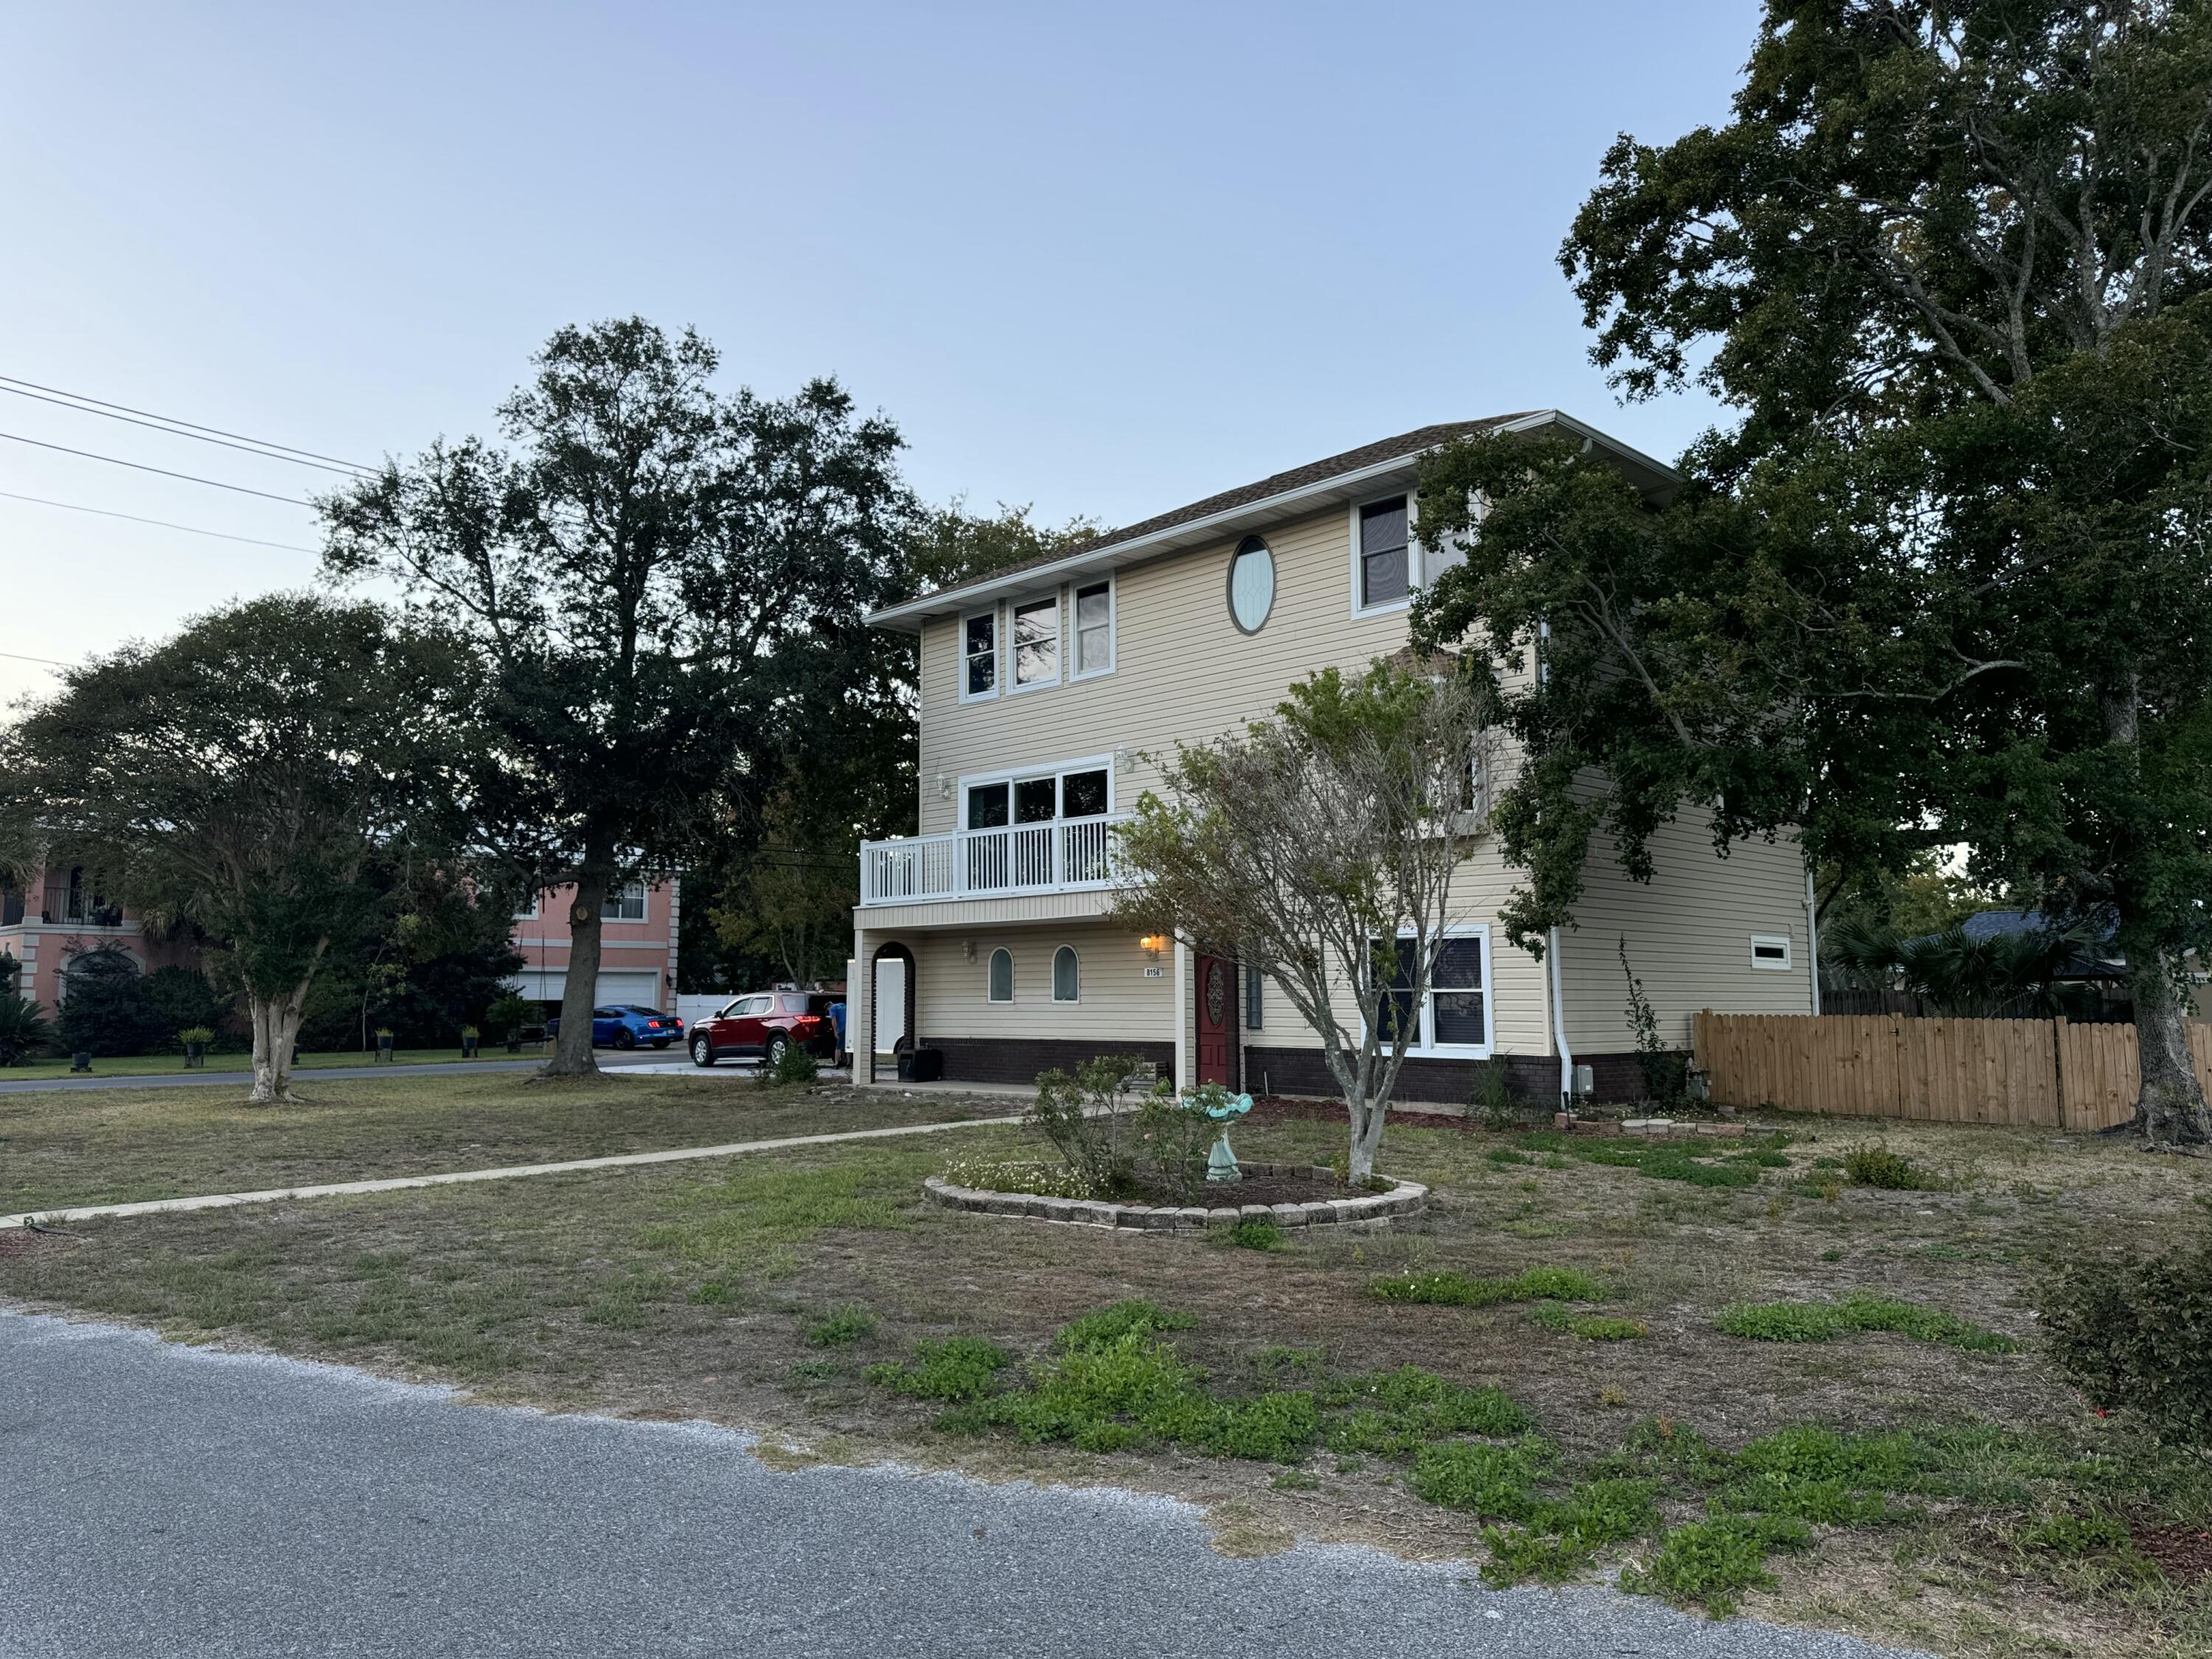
(1559, 1021)
(1813, 935)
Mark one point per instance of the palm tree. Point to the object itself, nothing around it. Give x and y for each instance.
(23, 1028)
(1994, 975)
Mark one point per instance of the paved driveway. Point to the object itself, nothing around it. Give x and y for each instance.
(163, 1500)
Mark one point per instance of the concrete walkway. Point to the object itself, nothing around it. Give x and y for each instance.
(174, 1500)
(504, 1172)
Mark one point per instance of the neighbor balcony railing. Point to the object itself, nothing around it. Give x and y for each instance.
(1066, 855)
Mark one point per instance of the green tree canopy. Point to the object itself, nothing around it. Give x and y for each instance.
(665, 583)
(1950, 578)
(239, 777)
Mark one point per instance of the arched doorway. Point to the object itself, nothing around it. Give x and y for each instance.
(890, 979)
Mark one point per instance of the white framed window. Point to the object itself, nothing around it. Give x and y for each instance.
(1771, 950)
(1454, 1019)
(529, 912)
(1036, 632)
(626, 904)
(1251, 584)
(1081, 788)
(1255, 981)
(979, 655)
(999, 977)
(1066, 975)
(1382, 555)
(1094, 629)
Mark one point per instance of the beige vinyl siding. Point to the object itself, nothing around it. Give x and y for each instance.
(1689, 936)
(1519, 1009)
(1182, 671)
(1118, 1002)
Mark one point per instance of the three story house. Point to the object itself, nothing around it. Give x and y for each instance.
(1048, 691)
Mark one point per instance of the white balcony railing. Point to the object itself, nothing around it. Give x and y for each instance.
(1068, 855)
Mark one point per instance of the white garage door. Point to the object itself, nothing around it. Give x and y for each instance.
(549, 984)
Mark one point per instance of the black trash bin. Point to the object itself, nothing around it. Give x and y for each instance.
(920, 1065)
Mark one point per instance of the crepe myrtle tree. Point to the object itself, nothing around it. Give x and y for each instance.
(239, 778)
(1949, 579)
(1321, 847)
(665, 585)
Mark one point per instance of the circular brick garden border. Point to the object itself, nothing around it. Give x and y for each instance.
(1360, 1210)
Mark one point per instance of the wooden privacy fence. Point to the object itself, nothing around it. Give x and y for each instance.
(2046, 1072)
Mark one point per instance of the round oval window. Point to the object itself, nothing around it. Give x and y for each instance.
(1251, 584)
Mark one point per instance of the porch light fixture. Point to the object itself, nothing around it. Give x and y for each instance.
(1153, 944)
(944, 786)
(968, 949)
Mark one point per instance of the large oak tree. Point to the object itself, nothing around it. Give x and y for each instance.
(665, 582)
(1949, 580)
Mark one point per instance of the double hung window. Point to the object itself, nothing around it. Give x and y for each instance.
(1037, 642)
(979, 654)
(625, 905)
(1094, 629)
(1454, 1018)
(1385, 574)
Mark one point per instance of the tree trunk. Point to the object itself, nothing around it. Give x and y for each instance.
(2169, 1102)
(572, 1049)
(1366, 1138)
(275, 1029)
(2171, 1105)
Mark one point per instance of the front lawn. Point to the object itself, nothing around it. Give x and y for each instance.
(1731, 1371)
(123, 1065)
(120, 1145)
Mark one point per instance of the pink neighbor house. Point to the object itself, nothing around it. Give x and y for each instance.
(55, 915)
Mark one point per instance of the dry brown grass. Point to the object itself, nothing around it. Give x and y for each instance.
(687, 1291)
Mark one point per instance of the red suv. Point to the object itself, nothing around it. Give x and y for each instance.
(766, 1023)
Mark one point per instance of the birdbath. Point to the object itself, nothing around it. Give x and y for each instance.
(1217, 1103)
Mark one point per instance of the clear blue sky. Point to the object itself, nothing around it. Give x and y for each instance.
(1103, 259)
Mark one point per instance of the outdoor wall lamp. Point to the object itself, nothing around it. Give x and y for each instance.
(1153, 944)
(968, 949)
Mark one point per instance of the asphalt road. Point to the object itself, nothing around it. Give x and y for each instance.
(305, 1075)
(172, 1501)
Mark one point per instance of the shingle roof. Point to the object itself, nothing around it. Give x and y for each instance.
(1313, 472)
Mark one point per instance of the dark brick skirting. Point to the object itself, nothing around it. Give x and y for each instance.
(1019, 1060)
(1535, 1077)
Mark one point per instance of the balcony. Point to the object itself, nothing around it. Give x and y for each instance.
(1066, 855)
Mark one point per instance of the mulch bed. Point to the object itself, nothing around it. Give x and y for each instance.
(2182, 1552)
(1252, 1189)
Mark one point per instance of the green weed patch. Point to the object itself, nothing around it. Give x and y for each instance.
(1591, 1327)
(1456, 1290)
(1822, 1322)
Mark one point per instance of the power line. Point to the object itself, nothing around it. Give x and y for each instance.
(100, 404)
(17, 656)
(190, 530)
(250, 447)
(140, 466)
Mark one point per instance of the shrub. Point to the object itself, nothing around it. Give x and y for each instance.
(1819, 1321)
(201, 1034)
(107, 1010)
(958, 1368)
(1086, 1116)
(509, 1013)
(797, 1065)
(1493, 1098)
(2136, 1332)
(1878, 1166)
(840, 1326)
(1456, 1290)
(24, 1028)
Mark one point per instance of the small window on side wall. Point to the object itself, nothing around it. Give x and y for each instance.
(1066, 975)
(1255, 980)
(1094, 629)
(1770, 951)
(979, 654)
(1383, 567)
(1001, 980)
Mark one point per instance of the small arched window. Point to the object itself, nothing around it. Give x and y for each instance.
(1066, 975)
(1001, 986)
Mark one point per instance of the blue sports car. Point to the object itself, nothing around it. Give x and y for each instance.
(624, 1025)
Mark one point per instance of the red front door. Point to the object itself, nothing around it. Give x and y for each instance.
(1217, 1021)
